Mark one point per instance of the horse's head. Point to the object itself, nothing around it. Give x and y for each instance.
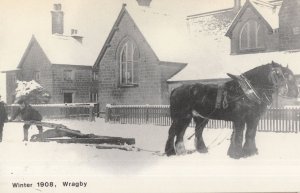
(283, 79)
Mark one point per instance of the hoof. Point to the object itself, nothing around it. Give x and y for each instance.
(235, 154)
(170, 153)
(180, 149)
(249, 152)
(202, 150)
(200, 146)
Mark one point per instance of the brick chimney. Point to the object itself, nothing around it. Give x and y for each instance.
(57, 19)
(289, 25)
(237, 5)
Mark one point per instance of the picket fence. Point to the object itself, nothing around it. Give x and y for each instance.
(61, 111)
(284, 120)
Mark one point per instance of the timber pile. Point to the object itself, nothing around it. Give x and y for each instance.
(62, 134)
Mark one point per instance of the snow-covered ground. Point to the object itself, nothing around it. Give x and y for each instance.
(276, 168)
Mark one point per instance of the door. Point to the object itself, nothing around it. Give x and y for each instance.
(68, 97)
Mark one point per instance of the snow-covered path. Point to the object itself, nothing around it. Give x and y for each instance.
(276, 168)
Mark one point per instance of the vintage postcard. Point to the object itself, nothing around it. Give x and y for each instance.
(149, 96)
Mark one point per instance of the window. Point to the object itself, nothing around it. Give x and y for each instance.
(128, 64)
(68, 75)
(95, 76)
(252, 36)
(296, 30)
(37, 76)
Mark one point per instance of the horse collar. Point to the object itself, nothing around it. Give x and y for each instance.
(248, 89)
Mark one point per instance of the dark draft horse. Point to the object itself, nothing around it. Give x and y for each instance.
(197, 101)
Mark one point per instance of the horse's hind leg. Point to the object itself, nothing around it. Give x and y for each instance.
(179, 143)
(177, 130)
(199, 142)
(169, 148)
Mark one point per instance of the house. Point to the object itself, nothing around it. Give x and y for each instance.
(59, 62)
(243, 37)
(137, 52)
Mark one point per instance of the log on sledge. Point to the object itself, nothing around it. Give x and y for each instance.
(97, 140)
(59, 132)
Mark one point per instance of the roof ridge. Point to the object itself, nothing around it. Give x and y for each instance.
(209, 13)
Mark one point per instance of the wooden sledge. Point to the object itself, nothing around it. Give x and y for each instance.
(59, 132)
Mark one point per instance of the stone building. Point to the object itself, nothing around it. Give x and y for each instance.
(131, 70)
(265, 27)
(59, 62)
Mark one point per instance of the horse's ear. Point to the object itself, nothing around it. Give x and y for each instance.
(287, 66)
(272, 62)
(234, 77)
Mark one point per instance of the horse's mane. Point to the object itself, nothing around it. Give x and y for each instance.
(259, 75)
(261, 69)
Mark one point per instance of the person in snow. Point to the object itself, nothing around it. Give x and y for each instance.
(28, 113)
(3, 117)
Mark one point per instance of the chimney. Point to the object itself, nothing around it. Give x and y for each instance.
(237, 5)
(76, 36)
(144, 3)
(57, 19)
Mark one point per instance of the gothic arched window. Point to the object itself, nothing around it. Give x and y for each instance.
(252, 36)
(128, 63)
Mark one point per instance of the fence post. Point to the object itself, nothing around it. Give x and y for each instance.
(91, 113)
(147, 113)
(107, 112)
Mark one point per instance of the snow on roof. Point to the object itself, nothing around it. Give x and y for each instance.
(163, 25)
(213, 60)
(216, 65)
(167, 31)
(61, 49)
(269, 13)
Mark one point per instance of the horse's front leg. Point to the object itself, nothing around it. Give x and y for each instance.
(249, 148)
(179, 143)
(236, 144)
(199, 142)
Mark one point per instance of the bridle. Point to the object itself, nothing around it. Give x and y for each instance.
(280, 82)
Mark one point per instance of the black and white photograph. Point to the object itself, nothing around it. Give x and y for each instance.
(149, 96)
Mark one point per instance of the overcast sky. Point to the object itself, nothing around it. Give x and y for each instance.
(19, 19)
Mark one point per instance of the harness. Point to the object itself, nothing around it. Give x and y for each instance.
(277, 78)
(221, 94)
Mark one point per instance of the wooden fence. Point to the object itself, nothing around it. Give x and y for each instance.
(274, 120)
(62, 111)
